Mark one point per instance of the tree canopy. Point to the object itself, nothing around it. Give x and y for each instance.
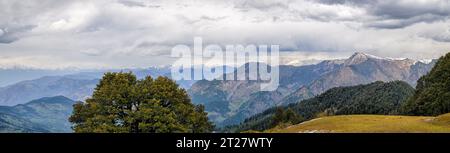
(432, 96)
(123, 104)
(374, 98)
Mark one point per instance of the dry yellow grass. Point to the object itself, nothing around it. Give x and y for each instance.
(372, 124)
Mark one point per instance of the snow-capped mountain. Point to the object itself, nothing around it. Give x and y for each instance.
(229, 102)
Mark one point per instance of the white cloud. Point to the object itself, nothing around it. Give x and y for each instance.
(136, 33)
(91, 52)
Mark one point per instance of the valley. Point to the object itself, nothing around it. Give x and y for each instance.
(377, 85)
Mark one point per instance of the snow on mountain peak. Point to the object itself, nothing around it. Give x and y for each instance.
(426, 61)
(359, 57)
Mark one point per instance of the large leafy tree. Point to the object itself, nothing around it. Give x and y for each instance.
(432, 96)
(123, 104)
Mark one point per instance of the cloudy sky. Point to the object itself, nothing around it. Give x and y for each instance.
(126, 33)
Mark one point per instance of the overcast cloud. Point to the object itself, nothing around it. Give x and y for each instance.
(133, 33)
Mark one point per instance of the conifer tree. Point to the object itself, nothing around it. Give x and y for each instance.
(432, 96)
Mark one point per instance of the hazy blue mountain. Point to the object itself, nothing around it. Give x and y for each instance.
(14, 124)
(77, 86)
(46, 87)
(9, 76)
(49, 114)
(229, 102)
(362, 68)
(139, 72)
(224, 99)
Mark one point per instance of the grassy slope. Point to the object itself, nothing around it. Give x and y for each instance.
(371, 123)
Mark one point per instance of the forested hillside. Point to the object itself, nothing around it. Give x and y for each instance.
(432, 96)
(374, 98)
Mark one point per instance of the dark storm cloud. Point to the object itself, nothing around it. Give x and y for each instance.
(11, 34)
(348, 2)
(19, 17)
(442, 38)
(132, 3)
(438, 36)
(396, 14)
(388, 23)
(409, 9)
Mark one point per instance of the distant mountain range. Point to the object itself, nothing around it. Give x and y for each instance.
(73, 88)
(77, 86)
(229, 102)
(9, 76)
(49, 114)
